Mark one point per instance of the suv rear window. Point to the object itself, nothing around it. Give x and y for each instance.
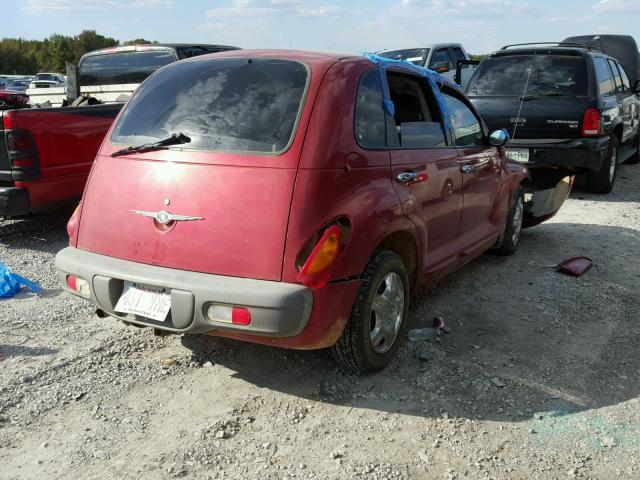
(541, 74)
(122, 67)
(222, 104)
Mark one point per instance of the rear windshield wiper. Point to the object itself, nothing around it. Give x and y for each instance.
(174, 139)
(544, 95)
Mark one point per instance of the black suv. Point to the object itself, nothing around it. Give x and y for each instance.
(569, 109)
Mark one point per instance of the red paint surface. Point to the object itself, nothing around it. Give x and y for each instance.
(67, 145)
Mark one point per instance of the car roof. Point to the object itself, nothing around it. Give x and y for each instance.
(311, 57)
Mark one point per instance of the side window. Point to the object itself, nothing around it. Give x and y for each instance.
(603, 76)
(369, 115)
(466, 126)
(418, 123)
(458, 54)
(439, 56)
(616, 76)
(626, 84)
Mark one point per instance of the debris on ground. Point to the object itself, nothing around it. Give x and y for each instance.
(575, 266)
(11, 283)
(422, 334)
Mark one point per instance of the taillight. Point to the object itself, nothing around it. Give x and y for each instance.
(316, 271)
(79, 286)
(72, 225)
(226, 314)
(592, 123)
(21, 151)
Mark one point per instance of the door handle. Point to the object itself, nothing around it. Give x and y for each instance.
(467, 168)
(406, 177)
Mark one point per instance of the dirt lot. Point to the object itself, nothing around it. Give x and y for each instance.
(539, 377)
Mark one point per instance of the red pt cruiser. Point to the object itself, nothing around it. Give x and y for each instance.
(289, 198)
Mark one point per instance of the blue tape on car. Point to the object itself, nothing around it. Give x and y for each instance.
(11, 283)
(435, 81)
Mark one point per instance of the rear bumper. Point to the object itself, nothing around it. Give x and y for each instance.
(574, 155)
(277, 309)
(14, 201)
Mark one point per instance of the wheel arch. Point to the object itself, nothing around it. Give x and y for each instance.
(404, 243)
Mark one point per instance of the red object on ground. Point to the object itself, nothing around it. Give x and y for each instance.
(575, 266)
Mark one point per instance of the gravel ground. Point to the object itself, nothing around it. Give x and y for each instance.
(538, 377)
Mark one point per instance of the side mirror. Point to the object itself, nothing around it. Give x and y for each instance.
(498, 138)
(636, 87)
(442, 67)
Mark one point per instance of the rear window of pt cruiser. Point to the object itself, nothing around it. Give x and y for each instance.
(224, 104)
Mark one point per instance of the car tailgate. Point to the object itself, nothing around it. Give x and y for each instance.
(535, 118)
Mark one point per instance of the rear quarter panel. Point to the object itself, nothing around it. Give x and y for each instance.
(337, 178)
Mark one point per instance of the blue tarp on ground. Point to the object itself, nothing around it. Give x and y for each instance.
(11, 283)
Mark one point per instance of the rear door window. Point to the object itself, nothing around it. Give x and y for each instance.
(122, 67)
(458, 54)
(221, 104)
(616, 76)
(603, 76)
(626, 84)
(543, 75)
(370, 122)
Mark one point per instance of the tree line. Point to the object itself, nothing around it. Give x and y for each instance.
(27, 57)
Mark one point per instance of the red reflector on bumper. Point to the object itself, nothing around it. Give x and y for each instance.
(240, 316)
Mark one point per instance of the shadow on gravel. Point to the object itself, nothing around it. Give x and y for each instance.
(627, 176)
(7, 351)
(44, 232)
(525, 339)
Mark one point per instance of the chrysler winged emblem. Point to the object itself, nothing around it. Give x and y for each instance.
(164, 218)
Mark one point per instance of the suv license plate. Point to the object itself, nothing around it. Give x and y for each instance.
(518, 154)
(145, 302)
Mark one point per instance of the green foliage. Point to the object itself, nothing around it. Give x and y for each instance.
(478, 57)
(27, 57)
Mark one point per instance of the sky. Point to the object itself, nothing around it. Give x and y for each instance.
(351, 26)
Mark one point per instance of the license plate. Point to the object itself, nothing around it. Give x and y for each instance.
(145, 302)
(518, 154)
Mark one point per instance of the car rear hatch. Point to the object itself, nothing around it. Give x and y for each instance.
(220, 202)
(533, 96)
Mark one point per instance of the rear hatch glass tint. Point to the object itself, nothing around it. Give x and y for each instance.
(529, 75)
(221, 104)
(122, 67)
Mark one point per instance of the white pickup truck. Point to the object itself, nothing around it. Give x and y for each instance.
(439, 57)
(112, 74)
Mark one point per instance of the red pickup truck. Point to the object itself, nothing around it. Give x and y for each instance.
(46, 153)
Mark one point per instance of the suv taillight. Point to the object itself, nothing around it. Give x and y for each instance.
(592, 123)
(72, 225)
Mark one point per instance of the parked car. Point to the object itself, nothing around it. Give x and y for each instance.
(47, 80)
(289, 198)
(13, 99)
(569, 110)
(46, 153)
(439, 57)
(17, 85)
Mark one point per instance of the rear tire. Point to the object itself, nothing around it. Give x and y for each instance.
(379, 316)
(603, 180)
(513, 228)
